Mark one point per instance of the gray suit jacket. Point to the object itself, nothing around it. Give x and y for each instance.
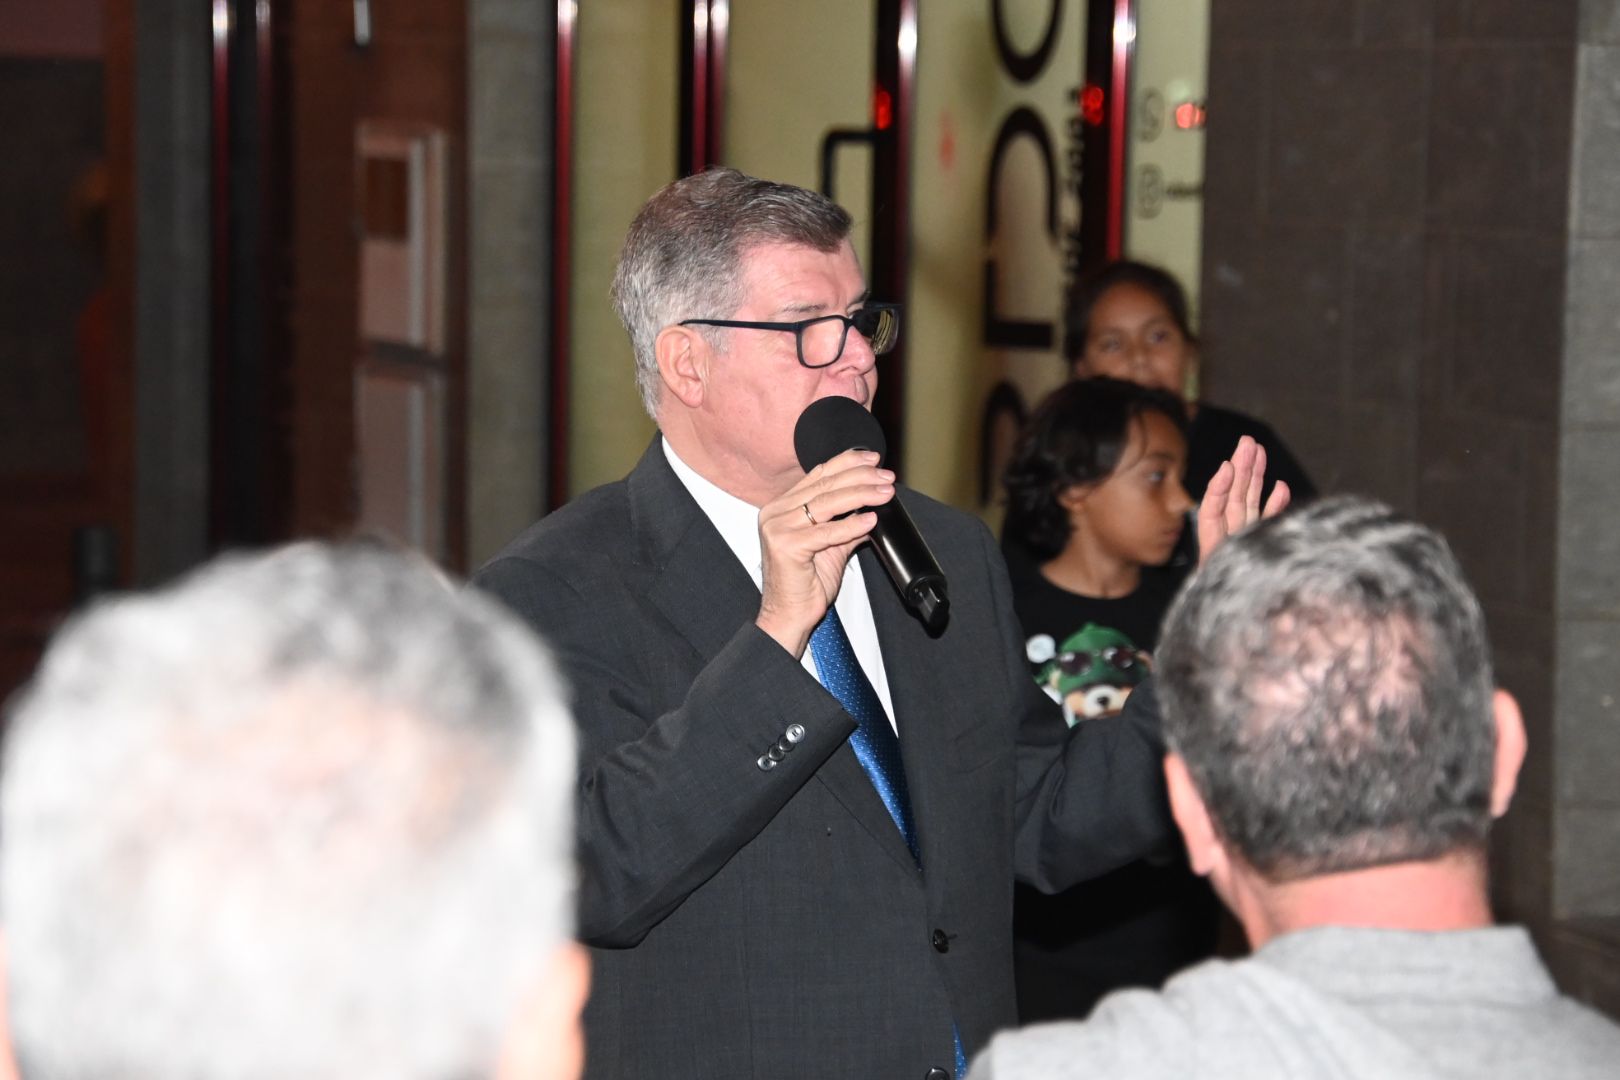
(753, 922)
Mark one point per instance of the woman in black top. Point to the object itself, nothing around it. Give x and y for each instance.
(1129, 321)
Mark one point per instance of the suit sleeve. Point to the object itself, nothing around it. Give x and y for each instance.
(665, 799)
(1090, 798)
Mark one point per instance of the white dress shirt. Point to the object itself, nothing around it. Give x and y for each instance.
(738, 523)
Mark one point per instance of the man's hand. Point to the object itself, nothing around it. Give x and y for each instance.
(1232, 500)
(804, 542)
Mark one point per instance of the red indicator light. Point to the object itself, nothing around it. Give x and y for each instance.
(882, 109)
(1092, 105)
(1190, 114)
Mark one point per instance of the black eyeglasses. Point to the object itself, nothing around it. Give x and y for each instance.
(821, 340)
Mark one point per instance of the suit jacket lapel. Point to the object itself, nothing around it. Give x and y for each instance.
(696, 581)
(843, 774)
(846, 778)
(919, 685)
(704, 592)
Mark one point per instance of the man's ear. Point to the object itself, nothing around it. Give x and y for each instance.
(546, 1039)
(682, 354)
(1511, 745)
(1204, 850)
(8, 1056)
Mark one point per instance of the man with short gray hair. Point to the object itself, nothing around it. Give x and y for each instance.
(1337, 755)
(306, 814)
(801, 808)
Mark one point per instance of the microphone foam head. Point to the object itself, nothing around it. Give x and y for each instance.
(832, 425)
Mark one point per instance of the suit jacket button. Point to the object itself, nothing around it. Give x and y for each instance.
(776, 753)
(941, 942)
(936, 1073)
(765, 763)
(794, 733)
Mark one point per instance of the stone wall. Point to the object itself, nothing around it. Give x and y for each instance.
(1586, 863)
(1392, 220)
(510, 137)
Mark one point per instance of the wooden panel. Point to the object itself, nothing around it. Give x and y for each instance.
(43, 505)
(414, 70)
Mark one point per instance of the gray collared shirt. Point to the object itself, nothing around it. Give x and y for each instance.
(1333, 1002)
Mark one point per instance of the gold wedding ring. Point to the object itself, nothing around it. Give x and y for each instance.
(808, 514)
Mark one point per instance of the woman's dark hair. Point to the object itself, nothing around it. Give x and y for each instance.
(1077, 319)
(1075, 437)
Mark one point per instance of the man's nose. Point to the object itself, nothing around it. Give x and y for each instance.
(858, 352)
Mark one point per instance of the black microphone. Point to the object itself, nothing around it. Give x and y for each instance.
(835, 424)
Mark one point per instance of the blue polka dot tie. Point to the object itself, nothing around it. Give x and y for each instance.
(874, 740)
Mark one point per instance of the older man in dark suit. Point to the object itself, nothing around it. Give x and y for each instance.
(801, 814)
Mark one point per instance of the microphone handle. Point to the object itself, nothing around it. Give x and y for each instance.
(910, 565)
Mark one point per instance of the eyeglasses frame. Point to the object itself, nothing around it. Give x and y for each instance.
(797, 330)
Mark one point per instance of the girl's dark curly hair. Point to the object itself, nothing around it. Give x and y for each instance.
(1077, 319)
(1075, 437)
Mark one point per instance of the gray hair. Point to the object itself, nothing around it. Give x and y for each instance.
(683, 257)
(1327, 679)
(305, 814)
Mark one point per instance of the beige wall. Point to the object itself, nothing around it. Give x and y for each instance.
(627, 89)
(1164, 198)
(963, 97)
(794, 72)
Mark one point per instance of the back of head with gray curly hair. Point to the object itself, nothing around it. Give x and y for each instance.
(1327, 679)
